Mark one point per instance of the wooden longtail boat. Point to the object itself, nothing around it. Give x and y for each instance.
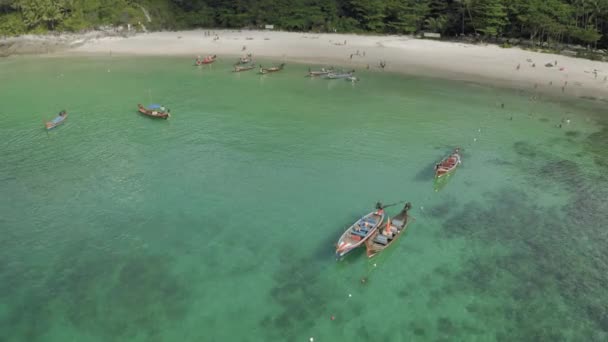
(239, 68)
(338, 75)
(271, 69)
(154, 111)
(322, 72)
(58, 120)
(359, 232)
(383, 237)
(448, 164)
(206, 60)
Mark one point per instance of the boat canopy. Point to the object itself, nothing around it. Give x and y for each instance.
(57, 119)
(154, 106)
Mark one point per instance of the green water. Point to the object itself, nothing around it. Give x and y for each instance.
(220, 223)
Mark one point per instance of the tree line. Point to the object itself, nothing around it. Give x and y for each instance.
(540, 21)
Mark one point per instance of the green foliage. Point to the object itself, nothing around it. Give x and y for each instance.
(370, 13)
(540, 21)
(42, 12)
(489, 16)
(406, 16)
(12, 24)
(436, 24)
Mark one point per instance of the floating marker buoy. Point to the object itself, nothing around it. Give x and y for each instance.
(349, 295)
(474, 139)
(311, 339)
(332, 317)
(374, 265)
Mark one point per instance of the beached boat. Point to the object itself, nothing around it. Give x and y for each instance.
(155, 111)
(384, 236)
(207, 60)
(239, 68)
(359, 232)
(245, 60)
(58, 120)
(338, 75)
(448, 164)
(322, 72)
(271, 69)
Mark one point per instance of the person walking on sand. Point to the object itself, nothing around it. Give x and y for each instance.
(518, 66)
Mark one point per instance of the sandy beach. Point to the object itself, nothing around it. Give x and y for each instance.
(490, 64)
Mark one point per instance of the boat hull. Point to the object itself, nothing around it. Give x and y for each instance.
(443, 169)
(356, 235)
(153, 113)
(374, 248)
(50, 124)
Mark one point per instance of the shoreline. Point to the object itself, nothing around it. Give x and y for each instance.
(487, 64)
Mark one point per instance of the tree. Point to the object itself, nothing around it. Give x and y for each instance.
(489, 16)
(369, 13)
(406, 16)
(46, 12)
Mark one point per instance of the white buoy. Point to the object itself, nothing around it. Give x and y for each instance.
(349, 295)
(374, 265)
(474, 139)
(568, 121)
(312, 339)
(479, 130)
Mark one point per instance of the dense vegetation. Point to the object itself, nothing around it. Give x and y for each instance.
(555, 21)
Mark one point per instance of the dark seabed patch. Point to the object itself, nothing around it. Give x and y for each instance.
(297, 293)
(524, 149)
(536, 267)
(427, 172)
(597, 144)
(116, 297)
(573, 134)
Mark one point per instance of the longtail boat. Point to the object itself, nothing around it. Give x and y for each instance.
(271, 69)
(359, 232)
(58, 120)
(207, 60)
(448, 164)
(322, 72)
(383, 237)
(155, 111)
(247, 59)
(239, 68)
(338, 75)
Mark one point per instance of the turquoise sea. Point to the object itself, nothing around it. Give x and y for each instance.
(219, 224)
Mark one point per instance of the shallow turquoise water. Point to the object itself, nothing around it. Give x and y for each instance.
(219, 224)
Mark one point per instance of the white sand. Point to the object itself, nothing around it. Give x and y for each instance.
(490, 64)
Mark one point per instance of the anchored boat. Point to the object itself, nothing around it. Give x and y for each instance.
(448, 164)
(154, 111)
(240, 68)
(322, 72)
(207, 60)
(338, 75)
(383, 237)
(58, 120)
(271, 69)
(359, 232)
